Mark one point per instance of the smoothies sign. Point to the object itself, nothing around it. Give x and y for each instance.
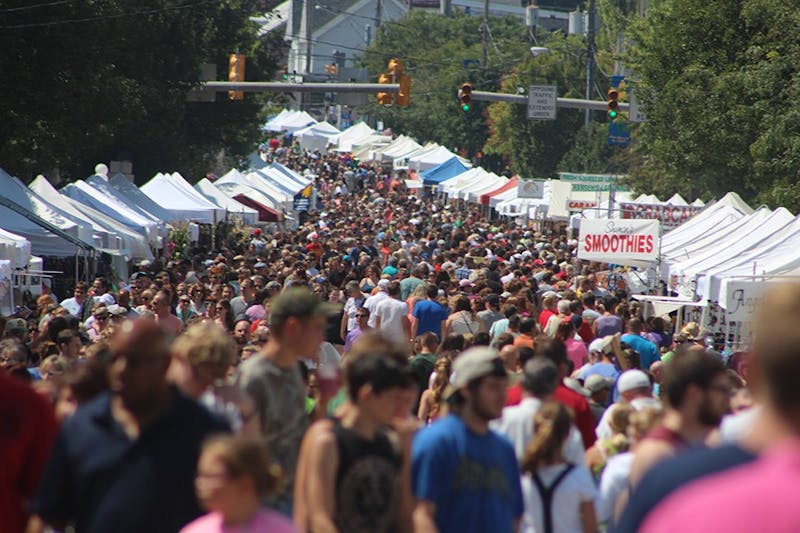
(618, 241)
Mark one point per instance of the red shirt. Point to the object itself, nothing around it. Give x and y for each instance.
(583, 415)
(544, 316)
(514, 394)
(27, 434)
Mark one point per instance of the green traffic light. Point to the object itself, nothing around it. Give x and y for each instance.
(612, 114)
(465, 108)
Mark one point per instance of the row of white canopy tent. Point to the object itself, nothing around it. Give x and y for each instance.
(730, 241)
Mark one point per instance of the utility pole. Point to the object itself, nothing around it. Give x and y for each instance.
(377, 14)
(485, 33)
(308, 25)
(590, 51)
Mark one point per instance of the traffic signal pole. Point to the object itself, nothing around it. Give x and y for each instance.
(568, 103)
(277, 86)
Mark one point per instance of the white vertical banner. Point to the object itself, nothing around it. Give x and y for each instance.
(619, 241)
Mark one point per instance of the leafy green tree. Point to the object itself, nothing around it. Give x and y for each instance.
(440, 54)
(95, 81)
(719, 81)
(535, 148)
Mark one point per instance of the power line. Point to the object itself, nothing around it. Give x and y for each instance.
(35, 6)
(108, 17)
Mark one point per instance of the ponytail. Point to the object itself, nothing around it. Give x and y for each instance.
(551, 426)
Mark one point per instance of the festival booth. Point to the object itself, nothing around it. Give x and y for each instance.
(104, 237)
(132, 245)
(431, 158)
(317, 137)
(355, 134)
(450, 187)
(443, 172)
(133, 197)
(28, 215)
(248, 191)
(506, 191)
(400, 147)
(234, 208)
(181, 206)
(290, 121)
(110, 202)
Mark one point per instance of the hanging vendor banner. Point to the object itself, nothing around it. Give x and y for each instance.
(671, 216)
(302, 200)
(621, 242)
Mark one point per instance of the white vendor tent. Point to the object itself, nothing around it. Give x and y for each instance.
(110, 202)
(14, 248)
(131, 194)
(168, 195)
(317, 137)
(106, 237)
(400, 147)
(176, 179)
(353, 135)
(235, 208)
(436, 156)
(290, 121)
(43, 241)
(750, 232)
(462, 181)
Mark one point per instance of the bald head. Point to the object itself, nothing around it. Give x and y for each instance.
(141, 356)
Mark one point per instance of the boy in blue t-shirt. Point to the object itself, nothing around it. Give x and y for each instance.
(465, 477)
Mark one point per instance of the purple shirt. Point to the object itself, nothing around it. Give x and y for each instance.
(352, 336)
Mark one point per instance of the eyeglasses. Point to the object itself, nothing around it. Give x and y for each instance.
(361, 316)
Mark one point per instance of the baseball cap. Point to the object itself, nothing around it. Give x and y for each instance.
(476, 363)
(273, 285)
(601, 344)
(575, 386)
(298, 302)
(16, 325)
(257, 232)
(632, 379)
(548, 294)
(596, 383)
(465, 283)
(260, 264)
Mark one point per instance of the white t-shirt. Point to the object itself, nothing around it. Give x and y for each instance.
(372, 302)
(516, 423)
(391, 313)
(614, 481)
(576, 488)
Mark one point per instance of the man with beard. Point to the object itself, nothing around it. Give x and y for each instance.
(696, 390)
(464, 475)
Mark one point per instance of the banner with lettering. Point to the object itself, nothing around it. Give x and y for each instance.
(618, 241)
(671, 216)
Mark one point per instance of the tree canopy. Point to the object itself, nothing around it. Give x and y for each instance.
(719, 82)
(97, 81)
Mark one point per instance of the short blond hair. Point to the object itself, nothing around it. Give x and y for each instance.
(206, 343)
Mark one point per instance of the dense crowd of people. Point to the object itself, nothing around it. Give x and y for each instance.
(395, 363)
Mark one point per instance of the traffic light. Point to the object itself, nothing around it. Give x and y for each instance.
(613, 104)
(286, 73)
(465, 97)
(331, 69)
(385, 98)
(236, 73)
(403, 98)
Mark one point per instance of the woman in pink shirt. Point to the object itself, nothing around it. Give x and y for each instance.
(576, 349)
(234, 474)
